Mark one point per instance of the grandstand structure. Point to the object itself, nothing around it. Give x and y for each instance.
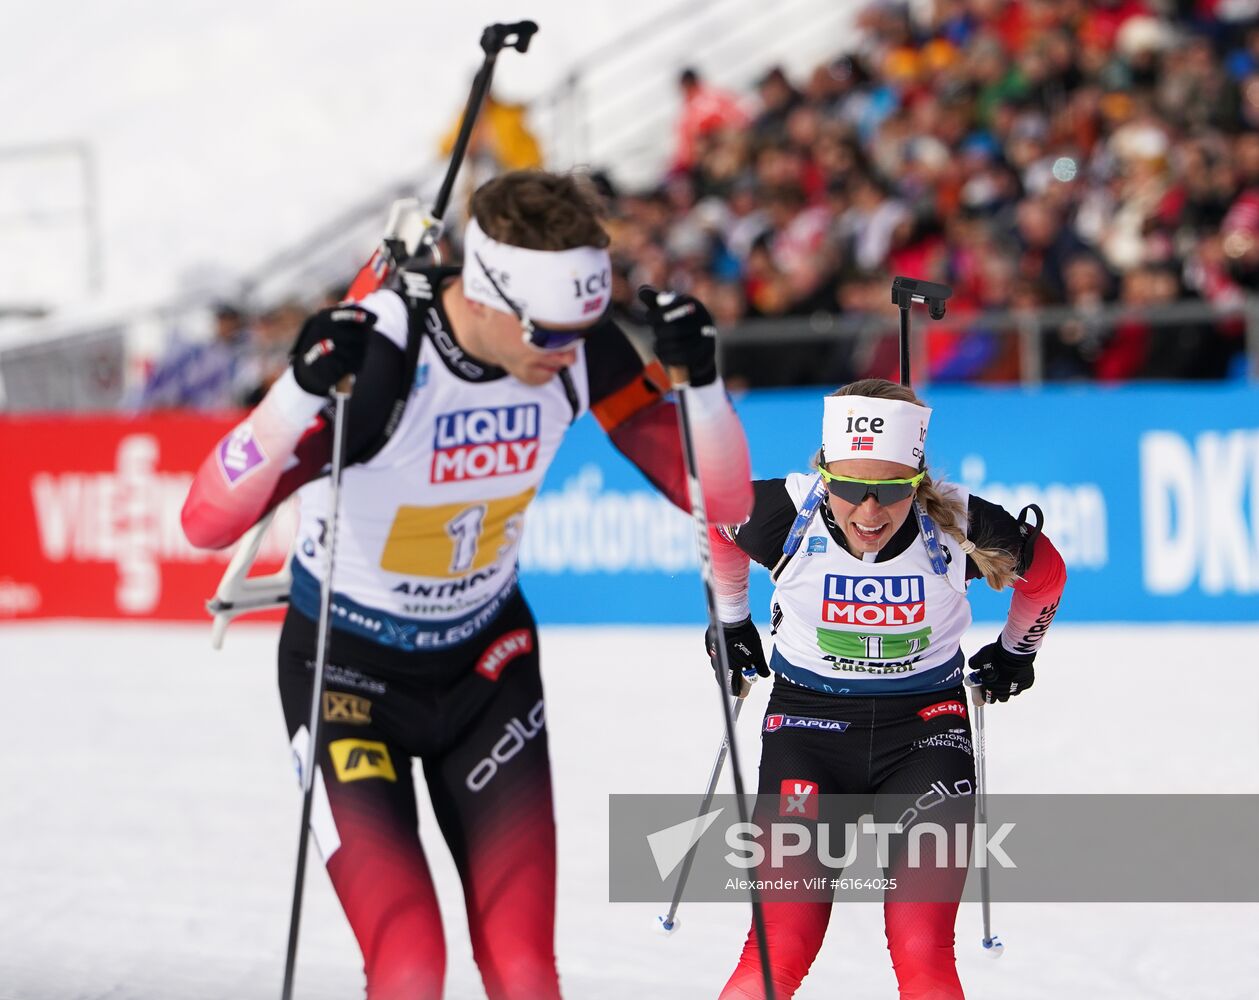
(1087, 178)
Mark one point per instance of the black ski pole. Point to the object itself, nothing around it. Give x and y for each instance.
(699, 516)
(669, 923)
(494, 39)
(311, 764)
(392, 252)
(907, 291)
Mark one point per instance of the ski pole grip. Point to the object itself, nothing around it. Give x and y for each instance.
(516, 36)
(679, 375)
(975, 685)
(344, 385)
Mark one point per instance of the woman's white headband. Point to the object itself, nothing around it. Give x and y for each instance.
(889, 430)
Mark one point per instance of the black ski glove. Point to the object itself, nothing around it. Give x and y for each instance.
(1002, 674)
(743, 653)
(685, 334)
(330, 346)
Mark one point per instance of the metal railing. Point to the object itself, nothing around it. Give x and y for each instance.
(1032, 328)
(85, 371)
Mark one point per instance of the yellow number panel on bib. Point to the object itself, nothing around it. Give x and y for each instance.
(453, 539)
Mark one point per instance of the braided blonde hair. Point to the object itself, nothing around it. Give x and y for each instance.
(998, 566)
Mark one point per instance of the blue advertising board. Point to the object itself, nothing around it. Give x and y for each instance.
(1151, 494)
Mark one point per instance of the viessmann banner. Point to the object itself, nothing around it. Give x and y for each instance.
(90, 525)
(1151, 495)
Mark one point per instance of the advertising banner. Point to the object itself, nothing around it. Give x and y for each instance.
(1151, 494)
(91, 518)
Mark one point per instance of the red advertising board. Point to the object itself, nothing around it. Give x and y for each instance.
(89, 518)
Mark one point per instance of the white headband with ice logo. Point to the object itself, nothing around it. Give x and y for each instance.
(889, 430)
(557, 287)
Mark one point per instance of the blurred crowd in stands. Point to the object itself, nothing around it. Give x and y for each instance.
(232, 368)
(1068, 167)
(1031, 153)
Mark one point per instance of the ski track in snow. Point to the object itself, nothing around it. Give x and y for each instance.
(150, 816)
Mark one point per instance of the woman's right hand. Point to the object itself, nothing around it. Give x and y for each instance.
(744, 655)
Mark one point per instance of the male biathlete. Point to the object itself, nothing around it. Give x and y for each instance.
(466, 381)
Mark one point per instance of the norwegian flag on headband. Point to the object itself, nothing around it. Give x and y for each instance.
(863, 444)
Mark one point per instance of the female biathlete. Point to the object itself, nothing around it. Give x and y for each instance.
(868, 615)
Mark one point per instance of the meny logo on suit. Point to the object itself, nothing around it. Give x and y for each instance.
(488, 441)
(873, 600)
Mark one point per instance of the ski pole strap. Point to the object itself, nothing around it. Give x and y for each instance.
(1030, 531)
(931, 539)
(807, 509)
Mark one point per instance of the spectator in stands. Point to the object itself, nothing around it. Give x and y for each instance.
(865, 302)
(501, 135)
(1142, 348)
(966, 350)
(797, 235)
(204, 375)
(778, 100)
(875, 222)
(1046, 245)
(275, 332)
(706, 110)
(501, 141)
(1072, 350)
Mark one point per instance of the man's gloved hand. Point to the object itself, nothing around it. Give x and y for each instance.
(330, 346)
(743, 652)
(685, 334)
(1002, 674)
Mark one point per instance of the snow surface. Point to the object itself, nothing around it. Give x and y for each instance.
(150, 819)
